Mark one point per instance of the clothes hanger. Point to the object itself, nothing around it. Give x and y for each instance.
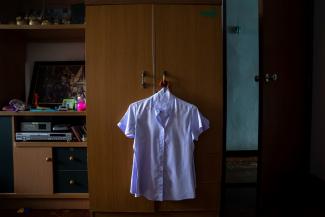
(164, 83)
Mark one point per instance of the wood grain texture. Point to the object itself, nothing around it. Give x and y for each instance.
(189, 48)
(44, 203)
(47, 33)
(46, 196)
(286, 50)
(50, 144)
(165, 214)
(33, 174)
(108, 2)
(118, 49)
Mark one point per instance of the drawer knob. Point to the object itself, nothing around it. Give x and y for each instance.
(71, 182)
(71, 158)
(48, 159)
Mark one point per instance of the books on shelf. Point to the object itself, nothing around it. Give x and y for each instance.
(79, 132)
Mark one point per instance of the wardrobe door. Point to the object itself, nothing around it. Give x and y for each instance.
(189, 48)
(118, 50)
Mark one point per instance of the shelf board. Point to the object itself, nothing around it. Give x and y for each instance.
(43, 27)
(49, 196)
(50, 144)
(36, 33)
(28, 113)
(114, 2)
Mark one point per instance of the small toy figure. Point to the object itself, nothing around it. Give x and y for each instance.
(36, 98)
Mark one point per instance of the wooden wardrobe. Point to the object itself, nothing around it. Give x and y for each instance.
(128, 42)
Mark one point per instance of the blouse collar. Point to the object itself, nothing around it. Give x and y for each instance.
(163, 100)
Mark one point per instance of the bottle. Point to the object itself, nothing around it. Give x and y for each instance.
(81, 104)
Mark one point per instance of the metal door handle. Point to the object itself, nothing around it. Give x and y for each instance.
(143, 83)
(275, 76)
(268, 77)
(271, 77)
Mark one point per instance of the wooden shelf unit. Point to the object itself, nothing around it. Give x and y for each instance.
(29, 176)
(28, 113)
(43, 27)
(47, 33)
(48, 196)
(51, 144)
(35, 178)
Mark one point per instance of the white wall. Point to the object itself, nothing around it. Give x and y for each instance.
(318, 111)
(51, 52)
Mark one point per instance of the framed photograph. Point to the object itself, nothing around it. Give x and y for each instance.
(55, 81)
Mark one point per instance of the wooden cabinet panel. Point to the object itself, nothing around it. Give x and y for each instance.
(118, 49)
(33, 171)
(189, 48)
(121, 42)
(112, 2)
(285, 110)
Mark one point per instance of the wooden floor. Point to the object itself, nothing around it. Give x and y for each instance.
(45, 213)
(239, 202)
(240, 195)
(307, 201)
(297, 212)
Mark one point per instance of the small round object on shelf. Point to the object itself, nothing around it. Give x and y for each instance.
(46, 22)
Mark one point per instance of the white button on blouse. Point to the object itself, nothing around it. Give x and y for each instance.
(163, 128)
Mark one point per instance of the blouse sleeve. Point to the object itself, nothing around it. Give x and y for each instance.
(127, 123)
(199, 124)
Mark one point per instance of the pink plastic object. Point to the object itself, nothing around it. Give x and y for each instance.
(81, 105)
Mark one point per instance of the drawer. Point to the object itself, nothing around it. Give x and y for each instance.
(71, 182)
(70, 159)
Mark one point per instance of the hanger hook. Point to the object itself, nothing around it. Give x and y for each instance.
(164, 83)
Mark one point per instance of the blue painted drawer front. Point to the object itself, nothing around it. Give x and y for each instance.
(71, 182)
(70, 159)
(6, 158)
